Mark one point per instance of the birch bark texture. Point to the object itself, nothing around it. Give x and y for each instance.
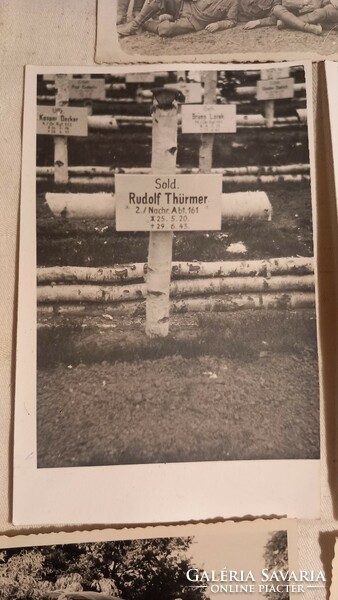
(60, 141)
(102, 205)
(211, 303)
(123, 273)
(269, 113)
(163, 162)
(181, 287)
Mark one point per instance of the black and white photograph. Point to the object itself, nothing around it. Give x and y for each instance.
(242, 327)
(175, 273)
(256, 560)
(144, 30)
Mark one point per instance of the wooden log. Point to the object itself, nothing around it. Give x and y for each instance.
(50, 98)
(227, 303)
(302, 115)
(182, 287)
(60, 141)
(269, 113)
(251, 90)
(107, 122)
(137, 271)
(293, 169)
(158, 283)
(163, 161)
(256, 179)
(250, 120)
(145, 93)
(257, 73)
(241, 101)
(246, 205)
(109, 182)
(114, 274)
(238, 205)
(209, 79)
(107, 87)
(82, 206)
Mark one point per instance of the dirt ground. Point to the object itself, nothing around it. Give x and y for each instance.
(233, 42)
(243, 387)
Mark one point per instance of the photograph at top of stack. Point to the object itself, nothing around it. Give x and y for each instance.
(176, 317)
(152, 30)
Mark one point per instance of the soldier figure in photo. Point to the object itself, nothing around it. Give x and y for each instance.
(123, 7)
(294, 14)
(254, 13)
(326, 15)
(182, 16)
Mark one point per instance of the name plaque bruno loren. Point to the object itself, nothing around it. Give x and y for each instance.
(209, 118)
(168, 202)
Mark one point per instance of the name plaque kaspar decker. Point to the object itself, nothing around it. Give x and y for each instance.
(52, 120)
(168, 202)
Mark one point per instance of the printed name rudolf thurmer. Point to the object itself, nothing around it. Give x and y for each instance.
(170, 197)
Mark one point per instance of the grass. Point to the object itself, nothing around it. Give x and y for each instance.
(240, 335)
(241, 386)
(267, 42)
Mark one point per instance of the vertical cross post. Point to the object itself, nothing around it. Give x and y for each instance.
(269, 113)
(60, 141)
(163, 162)
(209, 78)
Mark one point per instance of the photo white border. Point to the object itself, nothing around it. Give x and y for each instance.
(147, 493)
(158, 531)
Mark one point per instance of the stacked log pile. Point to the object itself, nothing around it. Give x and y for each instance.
(196, 286)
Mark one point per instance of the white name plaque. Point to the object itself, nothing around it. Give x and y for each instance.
(87, 89)
(140, 77)
(275, 73)
(62, 121)
(209, 118)
(168, 202)
(275, 89)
